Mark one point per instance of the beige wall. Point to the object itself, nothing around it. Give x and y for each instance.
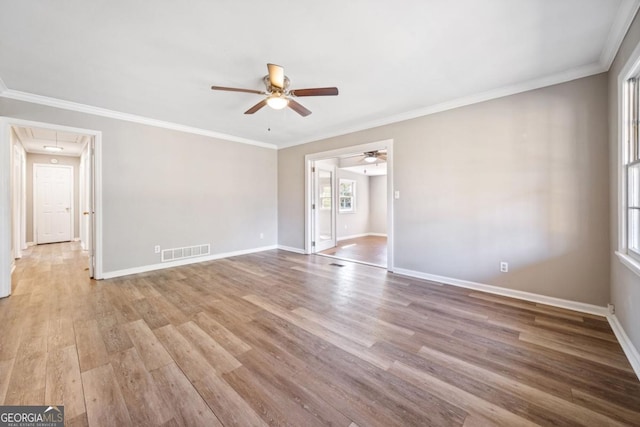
(62, 160)
(378, 204)
(522, 179)
(625, 285)
(168, 188)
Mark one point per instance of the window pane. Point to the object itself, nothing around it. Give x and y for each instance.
(634, 230)
(633, 185)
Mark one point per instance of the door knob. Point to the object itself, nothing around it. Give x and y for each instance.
(85, 213)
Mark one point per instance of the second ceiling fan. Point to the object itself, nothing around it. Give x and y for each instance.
(278, 94)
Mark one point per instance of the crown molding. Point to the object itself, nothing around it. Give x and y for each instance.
(103, 112)
(563, 77)
(624, 17)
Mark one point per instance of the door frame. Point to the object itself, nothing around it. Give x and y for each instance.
(316, 202)
(5, 194)
(37, 166)
(309, 159)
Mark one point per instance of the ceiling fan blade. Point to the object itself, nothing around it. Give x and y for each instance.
(318, 91)
(276, 75)
(256, 107)
(235, 89)
(382, 156)
(298, 108)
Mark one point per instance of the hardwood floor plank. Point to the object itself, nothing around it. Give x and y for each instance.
(153, 354)
(145, 404)
(64, 382)
(113, 334)
(225, 402)
(6, 367)
(610, 409)
(60, 333)
(27, 383)
(553, 404)
(321, 332)
(216, 355)
(222, 335)
(618, 362)
(458, 397)
(91, 349)
(188, 407)
(103, 399)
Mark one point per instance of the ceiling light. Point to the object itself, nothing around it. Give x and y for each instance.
(53, 148)
(370, 158)
(277, 102)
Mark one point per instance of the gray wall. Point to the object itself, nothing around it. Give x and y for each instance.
(348, 223)
(522, 179)
(378, 204)
(168, 188)
(62, 160)
(625, 285)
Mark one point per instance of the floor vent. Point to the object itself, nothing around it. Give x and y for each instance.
(187, 252)
(336, 265)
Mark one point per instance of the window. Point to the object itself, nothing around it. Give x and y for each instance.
(632, 169)
(325, 197)
(347, 196)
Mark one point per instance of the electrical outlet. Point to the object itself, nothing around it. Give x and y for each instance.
(156, 249)
(504, 266)
(611, 308)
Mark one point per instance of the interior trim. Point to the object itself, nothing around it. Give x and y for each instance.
(497, 290)
(185, 261)
(627, 346)
(112, 114)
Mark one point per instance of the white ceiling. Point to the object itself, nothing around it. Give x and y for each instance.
(390, 60)
(34, 139)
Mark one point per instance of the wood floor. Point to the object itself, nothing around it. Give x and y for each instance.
(277, 338)
(367, 249)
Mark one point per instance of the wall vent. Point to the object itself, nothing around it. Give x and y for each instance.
(187, 252)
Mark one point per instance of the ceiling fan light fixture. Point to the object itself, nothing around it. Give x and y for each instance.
(277, 102)
(370, 158)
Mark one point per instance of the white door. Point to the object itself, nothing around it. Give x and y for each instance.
(53, 203)
(324, 212)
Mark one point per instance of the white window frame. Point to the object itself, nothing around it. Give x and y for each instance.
(631, 69)
(351, 209)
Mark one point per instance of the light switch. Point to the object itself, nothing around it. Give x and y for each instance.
(396, 194)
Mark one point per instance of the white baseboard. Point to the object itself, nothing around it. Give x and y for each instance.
(627, 346)
(497, 290)
(178, 263)
(290, 249)
(355, 236)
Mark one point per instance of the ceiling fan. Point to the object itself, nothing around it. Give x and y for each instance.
(278, 94)
(371, 156)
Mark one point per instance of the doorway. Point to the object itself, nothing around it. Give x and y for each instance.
(43, 208)
(358, 202)
(53, 203)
